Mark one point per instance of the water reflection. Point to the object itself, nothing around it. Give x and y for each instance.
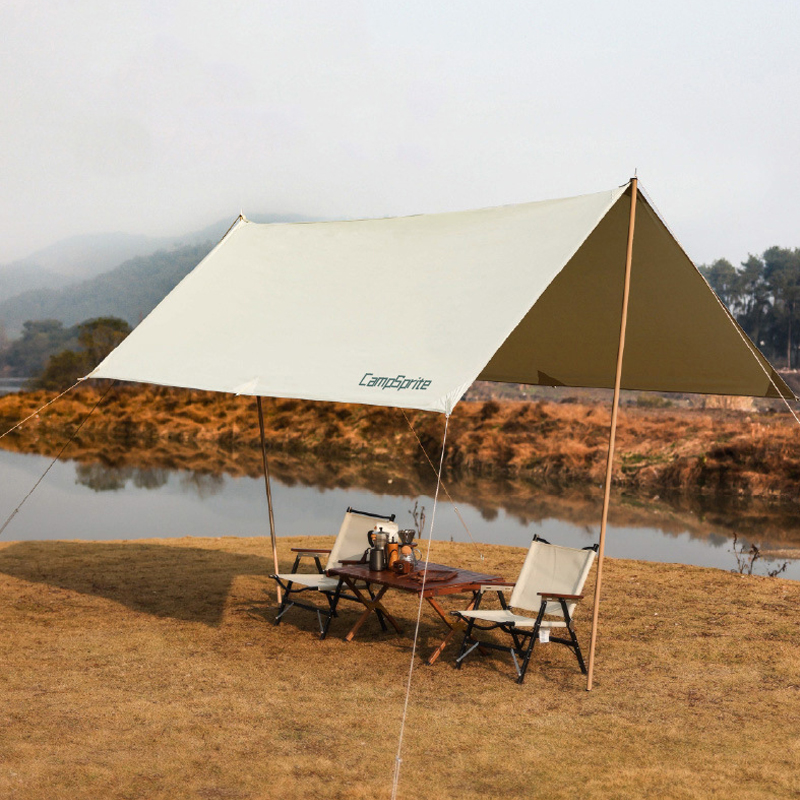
(123, 497)
(12, 385)
(203, 484)
(103, 478)
(203, 468)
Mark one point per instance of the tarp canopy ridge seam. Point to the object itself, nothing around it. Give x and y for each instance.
(614, 197)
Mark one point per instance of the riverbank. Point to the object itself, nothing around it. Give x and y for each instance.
(659, 450)
(152, 669)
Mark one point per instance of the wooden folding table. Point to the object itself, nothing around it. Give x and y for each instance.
(440, 580)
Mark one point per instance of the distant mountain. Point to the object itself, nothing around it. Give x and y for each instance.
(81, 257)
(19, 277)
(104, 275)
(76, 258)
(130, 291)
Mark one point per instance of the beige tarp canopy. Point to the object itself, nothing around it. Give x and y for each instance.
(409, 311)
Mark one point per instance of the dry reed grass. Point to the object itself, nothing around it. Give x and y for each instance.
(757, 519)
(658, 450)
(152, 670)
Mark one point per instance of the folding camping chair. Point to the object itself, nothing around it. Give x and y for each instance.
(549, 586)
(350, 544)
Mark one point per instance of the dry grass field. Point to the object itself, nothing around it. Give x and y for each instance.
(152, 669)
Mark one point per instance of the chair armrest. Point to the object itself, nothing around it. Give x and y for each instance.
(310, 551)
(554, 596)
(496, 587)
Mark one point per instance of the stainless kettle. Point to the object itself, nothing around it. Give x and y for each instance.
(375, 554)
(378, 538)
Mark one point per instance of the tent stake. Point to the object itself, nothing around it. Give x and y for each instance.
(269, 491)
(613, 435)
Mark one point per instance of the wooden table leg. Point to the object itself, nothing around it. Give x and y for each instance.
(370, 606)
(454, 626)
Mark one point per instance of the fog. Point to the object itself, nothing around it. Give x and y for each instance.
(162, 118)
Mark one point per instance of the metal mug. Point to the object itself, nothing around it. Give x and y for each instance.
(377, 559)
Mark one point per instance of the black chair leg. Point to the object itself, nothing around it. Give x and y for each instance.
(332, 603)
(464, 642)
(527, 657)
(284, 602)
(576, 648)
(534, 635)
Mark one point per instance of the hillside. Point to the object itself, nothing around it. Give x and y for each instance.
(21, 277)
(130, 291)
(100, 274)
(80, 258)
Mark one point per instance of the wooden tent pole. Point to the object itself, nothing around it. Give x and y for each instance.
(269, 492)
(613, 435)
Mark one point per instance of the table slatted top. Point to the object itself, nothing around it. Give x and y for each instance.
(464, 580)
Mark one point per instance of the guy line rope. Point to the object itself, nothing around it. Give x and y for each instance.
(398, 761)
(48, 403)
(66, 445)
(444, 486)
(746, 339)
(756, 355)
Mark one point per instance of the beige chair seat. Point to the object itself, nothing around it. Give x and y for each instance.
(312, 580)
(505, 616)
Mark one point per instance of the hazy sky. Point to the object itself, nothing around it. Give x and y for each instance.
(161, 117)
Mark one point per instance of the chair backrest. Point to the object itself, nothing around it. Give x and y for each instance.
(551, 568)
(352, 539)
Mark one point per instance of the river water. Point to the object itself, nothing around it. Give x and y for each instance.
(96, 502)
(12, 385)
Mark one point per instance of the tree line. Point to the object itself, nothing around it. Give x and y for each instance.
(763, 293)
(54, 357)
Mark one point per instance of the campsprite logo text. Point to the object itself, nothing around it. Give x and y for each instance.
(399, 382)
